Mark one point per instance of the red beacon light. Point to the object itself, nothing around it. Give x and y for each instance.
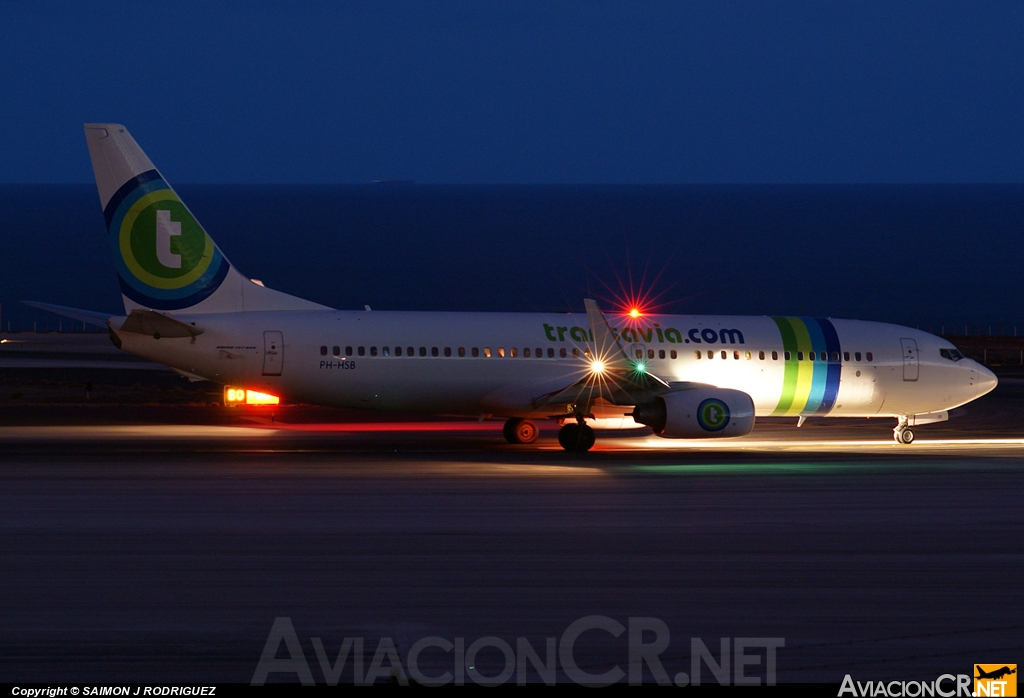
(635, 312)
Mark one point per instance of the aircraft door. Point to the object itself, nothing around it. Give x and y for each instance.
(910, 363)
(273, 353)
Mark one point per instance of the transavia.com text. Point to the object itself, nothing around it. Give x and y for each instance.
(491, 661)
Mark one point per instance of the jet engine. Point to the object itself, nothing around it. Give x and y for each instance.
(698, 413)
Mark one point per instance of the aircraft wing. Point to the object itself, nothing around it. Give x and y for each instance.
(611, 373)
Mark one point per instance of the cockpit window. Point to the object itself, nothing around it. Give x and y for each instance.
(951, 354)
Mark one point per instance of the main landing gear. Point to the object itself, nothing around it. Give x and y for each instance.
(520, 431)
(902, 434)
(576, 438)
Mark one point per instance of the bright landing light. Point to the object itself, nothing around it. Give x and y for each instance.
(597, 367)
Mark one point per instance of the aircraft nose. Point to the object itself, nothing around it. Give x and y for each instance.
(982, 380)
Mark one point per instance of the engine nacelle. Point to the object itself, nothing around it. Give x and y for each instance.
(698, 413)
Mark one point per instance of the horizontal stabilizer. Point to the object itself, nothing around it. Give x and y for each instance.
(88, 316)
(154, 324)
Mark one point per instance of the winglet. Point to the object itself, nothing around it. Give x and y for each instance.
(606, 345)
(608, 349)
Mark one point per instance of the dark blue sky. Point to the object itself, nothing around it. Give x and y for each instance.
(520, 92)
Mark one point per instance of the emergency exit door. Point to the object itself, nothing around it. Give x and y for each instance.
(273, 353)
(910, 363)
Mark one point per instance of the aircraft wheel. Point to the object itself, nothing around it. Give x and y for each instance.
(520, 431)
(509, 430)
(907, 436)
(576, 438)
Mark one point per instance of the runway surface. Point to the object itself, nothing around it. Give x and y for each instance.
(164, 552)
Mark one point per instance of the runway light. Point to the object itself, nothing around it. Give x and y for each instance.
(239, 396)
(254, 398)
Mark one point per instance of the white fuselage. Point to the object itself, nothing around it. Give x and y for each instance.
(496, 363)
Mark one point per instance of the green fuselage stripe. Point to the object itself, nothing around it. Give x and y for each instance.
(792, 366)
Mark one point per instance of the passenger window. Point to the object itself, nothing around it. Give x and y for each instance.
(724, 355)
(562, 353)
(462, 351)
(476, 352)
(373, 351)
(736, 355)
(775, 356)
(760, 355)
(673, 354)
(348, 351)
(409, 351)
(747, 355)
(812, 356)
(385, 351)
(513, 352)
(639, 353)
(835, 356)
(799, 356)
(856, 355)
(551, 353)
(696, 354)
(501, 352)
(487, 352)
(398, 351)
(846, 356)
(540, 353)
(869, 357)
(711, 354)
(323, 351)
(787, 356)
(575, 353)
(433, 351)
(661, 353)
(526, 353)
(650, 353)
(337, 351)
(447, 351)
(423, 351)
(362, 351)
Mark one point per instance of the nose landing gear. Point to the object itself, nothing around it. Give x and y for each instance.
(903, 434)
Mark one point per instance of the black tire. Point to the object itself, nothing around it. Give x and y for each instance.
(509, 430)
(575, 438)
(907, 437)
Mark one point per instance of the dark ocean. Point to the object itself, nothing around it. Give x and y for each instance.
(935, 256)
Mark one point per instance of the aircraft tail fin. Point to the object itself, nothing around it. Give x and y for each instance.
(165, 259)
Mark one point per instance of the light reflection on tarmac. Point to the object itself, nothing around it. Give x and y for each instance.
(608, 442)
(163, 553)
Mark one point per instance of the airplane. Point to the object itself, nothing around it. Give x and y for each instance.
(995, 674)
(681, 376)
